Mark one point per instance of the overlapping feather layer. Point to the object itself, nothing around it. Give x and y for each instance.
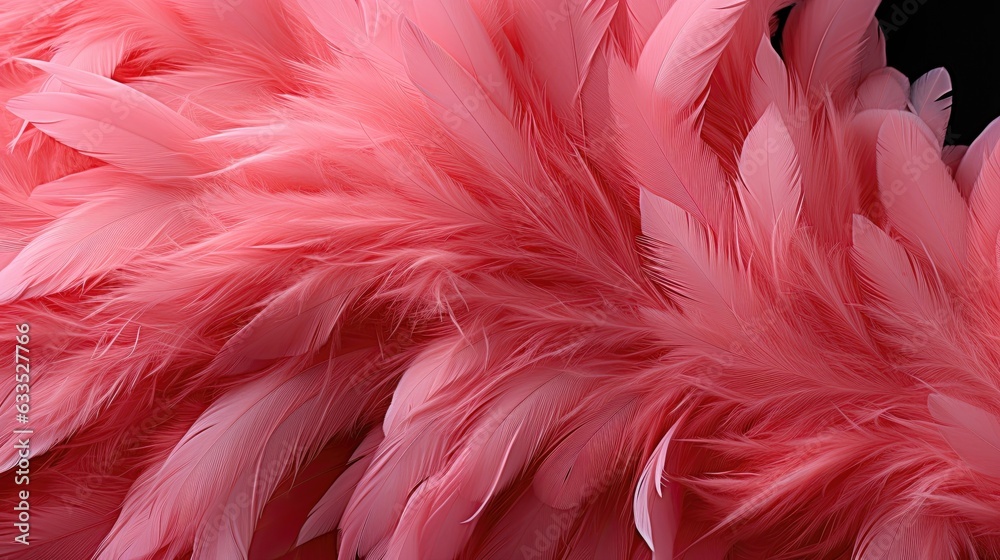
(494, 279)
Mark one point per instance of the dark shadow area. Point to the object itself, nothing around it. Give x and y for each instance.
(962, 36)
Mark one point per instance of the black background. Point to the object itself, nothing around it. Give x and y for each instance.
(962, 36)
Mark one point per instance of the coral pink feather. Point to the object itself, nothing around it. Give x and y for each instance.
(490, 279)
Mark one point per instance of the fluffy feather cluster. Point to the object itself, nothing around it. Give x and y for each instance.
(493, 279)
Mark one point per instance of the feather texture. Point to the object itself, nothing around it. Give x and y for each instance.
(972, 432)
(931, 101)
(113, 122)
(97, 237)
(933, 217)
(772, 179)
(825, 42)
(491, 279)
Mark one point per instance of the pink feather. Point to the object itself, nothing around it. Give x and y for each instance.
(932, 216)
(491, 279)
(971, 431)
(825, 42)
(111, 121)
(772, 178)
(931, 101)
(561, 39)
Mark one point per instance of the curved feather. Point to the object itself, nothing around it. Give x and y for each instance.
(115, 123)
(432, 370)
(678, 60)
(657, 504)
(975, 157)
(931, 101)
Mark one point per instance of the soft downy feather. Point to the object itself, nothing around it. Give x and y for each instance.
(567, 280)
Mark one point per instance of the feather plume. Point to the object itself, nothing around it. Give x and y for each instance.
(490, 279)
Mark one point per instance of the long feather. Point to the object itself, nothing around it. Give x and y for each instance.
(427, 375)
(561, 39)
(892, 275)
(645, 16)
(236, 453)
(921, 199)
(772, 178)
(500, 446)
(825, 40)
(455, 27)
(454, 94)
(984, 207)
(98, 237)
(769, 81)
(99, 57)
(581, 465)
(325, 516)
(116, 123)
(294, 322)
(679, 171)
(690, 262)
